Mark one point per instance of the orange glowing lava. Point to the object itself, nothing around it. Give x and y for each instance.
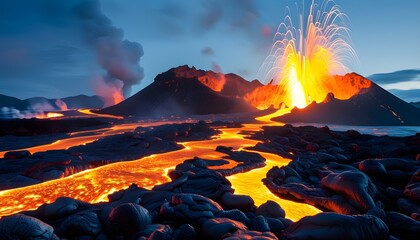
(48, 115)
(89, 112)
(213, 80)
(95, 184)
(54, 115)
(303, 60)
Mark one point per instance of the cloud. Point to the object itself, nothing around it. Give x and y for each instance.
(404, 84)
(207, 51)
(396, 77)
(203, 16)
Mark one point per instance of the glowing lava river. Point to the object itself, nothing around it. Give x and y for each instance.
(94, 185)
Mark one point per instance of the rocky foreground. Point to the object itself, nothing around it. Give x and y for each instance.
(369, 184)
(358, 175)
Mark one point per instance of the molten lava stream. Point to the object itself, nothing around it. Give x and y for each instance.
(94, 185)
(85, 137)
(89, 112)
(249, 183)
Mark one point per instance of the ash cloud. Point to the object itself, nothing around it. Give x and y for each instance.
(60, 45)
(119, 58)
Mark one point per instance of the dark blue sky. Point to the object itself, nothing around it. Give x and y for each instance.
(49, 50)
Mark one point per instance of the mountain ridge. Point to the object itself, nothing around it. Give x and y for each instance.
(185, 90)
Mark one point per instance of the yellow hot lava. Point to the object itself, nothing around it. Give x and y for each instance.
(54, 115)
(48, 115)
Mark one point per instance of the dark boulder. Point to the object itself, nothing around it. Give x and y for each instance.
(412, 191)
(185, 232)
(250, 235)
(190, 208)
(79, 224)
(217, 228)
(234, 214)
(62, 207)
(271, 209)
(206, 183)
(20, 226)
(403, 226)
(354, 185)
(17, 154)
(336, 226)
(242, 202)
(127, 219)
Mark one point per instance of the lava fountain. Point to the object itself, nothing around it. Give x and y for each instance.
(303, 60)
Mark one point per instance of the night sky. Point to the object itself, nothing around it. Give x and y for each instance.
(61, 48)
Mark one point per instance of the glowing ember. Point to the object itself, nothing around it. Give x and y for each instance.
(303, 59)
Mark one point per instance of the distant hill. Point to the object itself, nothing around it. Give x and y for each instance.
(415, 104)
(371, 106)
(11, 107)
(184, 91)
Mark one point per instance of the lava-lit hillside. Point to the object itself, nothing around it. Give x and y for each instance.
(370, 106)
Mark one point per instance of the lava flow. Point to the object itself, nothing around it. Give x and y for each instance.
(94, 185)
(48, 115)
(303, 60)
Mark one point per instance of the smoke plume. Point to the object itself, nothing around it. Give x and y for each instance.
(118, 57)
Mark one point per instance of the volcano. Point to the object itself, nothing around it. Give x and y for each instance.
(186, 90)
(370, 106)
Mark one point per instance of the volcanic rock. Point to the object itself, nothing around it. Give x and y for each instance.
(234, 214)
(336, 226)
(20, 226)
(235, 201)
(217, 228)
(185, 231)
(271, 209)
(371, 106)
(250, 235)
(127, 219)
(358, 182)
(60, 208)
(185, 91)
(80, 224)
(17, 154)
(155, 232)
(191, 208)
(353, 185)
(402, 226)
